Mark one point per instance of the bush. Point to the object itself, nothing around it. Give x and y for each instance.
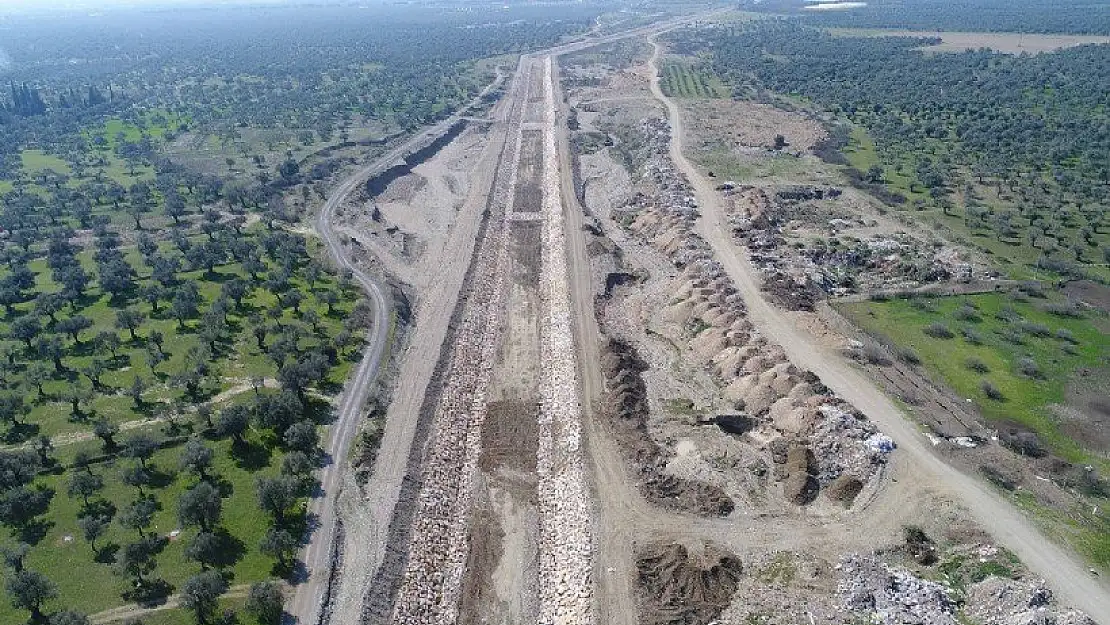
(977, 365)
(1065, 334)
(1036, 329)
(971, 336)
(875, 355)
(938, 330)
(1064, 310)
(991, 391)
(1028, 367)
(909, 356)
(1012, 336)
(967, 313)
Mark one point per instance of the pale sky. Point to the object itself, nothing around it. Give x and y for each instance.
(25, 5)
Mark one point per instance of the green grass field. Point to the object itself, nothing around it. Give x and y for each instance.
(1027, 332)
(1002, 333)
(88, 586)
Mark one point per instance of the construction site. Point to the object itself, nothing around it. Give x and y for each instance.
(597, 412)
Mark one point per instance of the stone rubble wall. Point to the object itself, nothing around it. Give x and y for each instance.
(432, 581)
(566, 541)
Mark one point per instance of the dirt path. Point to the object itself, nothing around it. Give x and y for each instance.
(367, 520)
(1063, 570)
(135, 612)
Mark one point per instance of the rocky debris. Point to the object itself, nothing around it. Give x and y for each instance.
(677, 588)
(779, 399)
(999, 601)
(566, 539)
(892, 596)
(626, 410)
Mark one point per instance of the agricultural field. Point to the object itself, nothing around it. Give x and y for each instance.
(1010, 43)
(681, 79)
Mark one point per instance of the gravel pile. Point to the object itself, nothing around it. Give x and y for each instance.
(785, 402)
(566, 543)
(892, 596)
(998, 601)
(430, 587)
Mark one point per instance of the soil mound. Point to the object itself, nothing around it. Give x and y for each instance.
(676, 588)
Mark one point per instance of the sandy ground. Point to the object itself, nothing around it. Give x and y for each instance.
(1013, 43)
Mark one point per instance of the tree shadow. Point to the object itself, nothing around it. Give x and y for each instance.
(221, 484)
(319, 411)
(152, 593)
(294, 571)
(99, 507)
(251, 457)
(231, 549)
(34, 531)
(159, 478)
(106, 554)
(21, 433)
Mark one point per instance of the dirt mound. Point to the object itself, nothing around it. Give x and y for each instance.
(626, 410)
(510, 436)
(800, 485)
(791, 293)
(844, 490)
(676, 588)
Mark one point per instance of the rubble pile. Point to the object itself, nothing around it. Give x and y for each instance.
(998, 601)
(892, 596)
(566, 541)
(842, 256)
(437, 551)
(432, 580)
(675, 588)
(626, 410)
(755, 374)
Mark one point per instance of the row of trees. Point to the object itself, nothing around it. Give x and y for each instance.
(1031, 127)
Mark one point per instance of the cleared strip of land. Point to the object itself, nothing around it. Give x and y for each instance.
(1011, 43)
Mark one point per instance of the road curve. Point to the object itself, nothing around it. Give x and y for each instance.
(309, 597)
(1067, 575)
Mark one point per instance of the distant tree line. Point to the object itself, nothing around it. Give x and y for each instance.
(1016, 16)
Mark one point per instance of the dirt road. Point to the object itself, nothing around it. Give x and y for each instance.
(1067, 575)
(308, 600)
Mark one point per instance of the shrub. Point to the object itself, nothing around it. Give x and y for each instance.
(967, 313)
(938, 330)
(1065, 334)
(875, 355)
(976, 365)
(1028, 367)
(909, 356)
(971, 336)
(1035, 329)
(1064, 310)
(1012, 336)
(991, 391)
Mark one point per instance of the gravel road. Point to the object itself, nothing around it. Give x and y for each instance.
(1064, 571)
